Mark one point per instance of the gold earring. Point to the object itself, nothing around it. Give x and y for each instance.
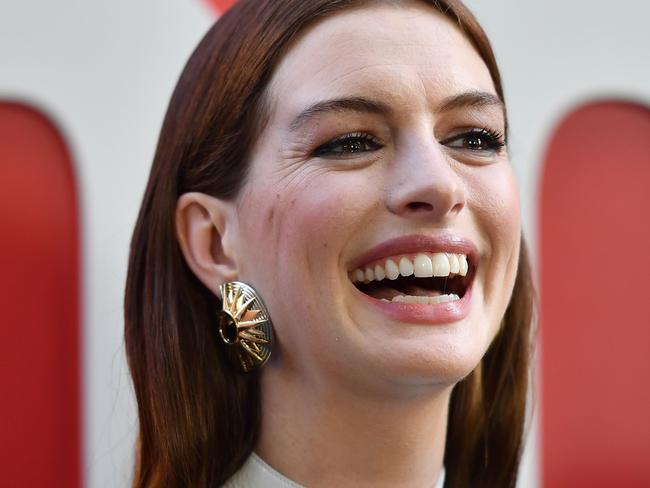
(245, 325)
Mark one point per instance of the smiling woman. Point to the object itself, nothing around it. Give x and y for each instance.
(327, 283)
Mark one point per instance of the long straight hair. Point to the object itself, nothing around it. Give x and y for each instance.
(198, 419)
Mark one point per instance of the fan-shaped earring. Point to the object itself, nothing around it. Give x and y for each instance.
(245, 325)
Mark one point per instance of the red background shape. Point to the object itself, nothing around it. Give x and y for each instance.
(40, 414)
(595, 292)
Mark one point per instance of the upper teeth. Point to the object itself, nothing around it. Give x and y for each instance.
(423, 265)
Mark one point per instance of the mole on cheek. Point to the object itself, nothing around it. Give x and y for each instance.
(271, 215)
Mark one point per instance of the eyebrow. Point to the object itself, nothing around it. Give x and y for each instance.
(365, 105)
(470, 99)
(349, 104)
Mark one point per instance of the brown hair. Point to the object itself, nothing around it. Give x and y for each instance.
(199, 420)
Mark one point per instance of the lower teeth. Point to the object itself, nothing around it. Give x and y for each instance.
(424, 300)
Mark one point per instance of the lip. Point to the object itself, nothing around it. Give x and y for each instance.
(441, 313)
(411, 313)
(418, 243)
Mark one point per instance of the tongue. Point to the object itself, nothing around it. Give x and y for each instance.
(412, 290)
(417, 291)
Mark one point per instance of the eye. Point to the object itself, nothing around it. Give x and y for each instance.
(349, 144)
(478, 141)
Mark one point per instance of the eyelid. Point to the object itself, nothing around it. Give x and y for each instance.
(353, 135)
(495, 134)
(322, 149)
(496, 139)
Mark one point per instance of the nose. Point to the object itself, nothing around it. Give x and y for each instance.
(425, 186)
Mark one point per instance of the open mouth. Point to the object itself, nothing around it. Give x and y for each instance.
(423, 278)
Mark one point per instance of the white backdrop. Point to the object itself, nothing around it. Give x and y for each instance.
(104, 72)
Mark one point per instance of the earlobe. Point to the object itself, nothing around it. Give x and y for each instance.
(204, 228)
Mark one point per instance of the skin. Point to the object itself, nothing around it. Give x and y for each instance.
(352, 397)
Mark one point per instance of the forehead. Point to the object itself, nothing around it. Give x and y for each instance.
(405, 54)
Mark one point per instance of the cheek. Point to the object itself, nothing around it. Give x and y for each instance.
(295, 236)
(295, 232)
(495, 203)
(496, 208)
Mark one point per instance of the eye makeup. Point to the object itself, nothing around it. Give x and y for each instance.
(477, 140)
(348, 144)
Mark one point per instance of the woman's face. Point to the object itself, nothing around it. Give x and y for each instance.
(383, 155)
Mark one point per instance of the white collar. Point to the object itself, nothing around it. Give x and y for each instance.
(256, 473)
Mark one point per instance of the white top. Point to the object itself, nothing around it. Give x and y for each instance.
(255, 473)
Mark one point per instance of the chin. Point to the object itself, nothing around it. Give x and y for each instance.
(445, 369)
(438, 357)
(432, 352)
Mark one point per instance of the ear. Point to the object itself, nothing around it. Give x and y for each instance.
(206, 228)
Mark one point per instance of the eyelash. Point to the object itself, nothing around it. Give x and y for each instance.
(348, 139)
(492, 139)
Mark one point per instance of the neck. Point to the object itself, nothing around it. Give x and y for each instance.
(322, 435)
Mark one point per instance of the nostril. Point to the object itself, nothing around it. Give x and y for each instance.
(458, 207)
(420, 206)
